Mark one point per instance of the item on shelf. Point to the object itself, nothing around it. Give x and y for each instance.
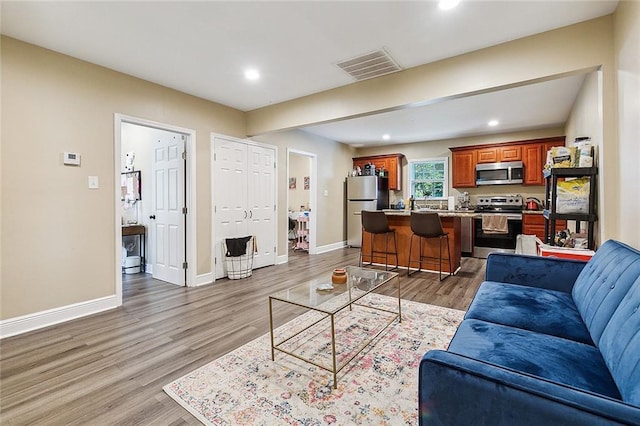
(369, 169)
(339, 276)
(585, 151)
(573, 196)
(561, 238)
(563, 156)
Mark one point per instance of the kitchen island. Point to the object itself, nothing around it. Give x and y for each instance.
(399, 220)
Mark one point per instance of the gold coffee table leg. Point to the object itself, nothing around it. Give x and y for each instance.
(273, 352)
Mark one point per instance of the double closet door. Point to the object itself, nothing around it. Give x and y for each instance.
(244, 199)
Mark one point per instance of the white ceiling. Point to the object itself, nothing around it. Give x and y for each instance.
(203, 47)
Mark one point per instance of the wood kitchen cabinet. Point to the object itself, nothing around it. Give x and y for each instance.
(391, 163)
(534, 156)
(534, 223)
(532, 153)
(498, 154)
(463, 172)
(533, 164)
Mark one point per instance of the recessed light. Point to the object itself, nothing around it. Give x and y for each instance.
(493, 123)
(386, 137)
(448, 4)
(252, 74)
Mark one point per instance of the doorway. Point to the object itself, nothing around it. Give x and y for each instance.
(166, 207)
(301, 202)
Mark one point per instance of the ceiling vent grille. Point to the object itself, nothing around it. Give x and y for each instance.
(370, 65)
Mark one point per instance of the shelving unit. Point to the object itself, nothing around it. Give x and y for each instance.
(551, 194)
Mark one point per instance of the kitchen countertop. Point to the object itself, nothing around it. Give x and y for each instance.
(444, 213)
(449, 213)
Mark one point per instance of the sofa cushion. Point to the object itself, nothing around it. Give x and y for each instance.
(620, 345)
(544, 311)
(549, 357)
(602, 284)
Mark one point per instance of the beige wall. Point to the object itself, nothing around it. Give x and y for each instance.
(299, 167)
(334, 161)
(586, 120)
(57, 235)
(627, 170)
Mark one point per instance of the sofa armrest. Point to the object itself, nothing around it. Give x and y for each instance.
(550, 273)
(454, 389)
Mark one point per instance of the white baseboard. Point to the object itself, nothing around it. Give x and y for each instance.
(282, 259)
(25, 323)
(204, 279)
(331, 247)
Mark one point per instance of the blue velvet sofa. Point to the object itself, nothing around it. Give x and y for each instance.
(546, 341)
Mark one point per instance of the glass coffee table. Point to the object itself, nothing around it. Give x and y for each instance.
(332, 304)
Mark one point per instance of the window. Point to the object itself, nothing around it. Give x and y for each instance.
(429, 178)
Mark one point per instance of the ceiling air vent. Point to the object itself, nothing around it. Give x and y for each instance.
(371, 65)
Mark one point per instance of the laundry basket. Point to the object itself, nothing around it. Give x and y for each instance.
(239, 257)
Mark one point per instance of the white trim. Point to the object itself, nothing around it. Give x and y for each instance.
(331, 247)
(25, 323)
(313, 197)
(191, 255)
(204, 279)
(282, 259)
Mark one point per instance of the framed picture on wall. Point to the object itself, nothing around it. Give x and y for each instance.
(307, 181)
(292, 183)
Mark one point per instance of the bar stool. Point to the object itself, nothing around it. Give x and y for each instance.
(428, 225)
(375, 223)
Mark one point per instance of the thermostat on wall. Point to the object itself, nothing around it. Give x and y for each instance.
(71, 158)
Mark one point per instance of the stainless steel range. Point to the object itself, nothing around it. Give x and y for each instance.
(488, 238)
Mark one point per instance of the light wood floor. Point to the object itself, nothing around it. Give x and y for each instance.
(110, 368)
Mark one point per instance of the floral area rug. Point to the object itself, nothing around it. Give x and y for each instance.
(378, 386)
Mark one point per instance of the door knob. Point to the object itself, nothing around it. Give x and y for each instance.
(153, 216)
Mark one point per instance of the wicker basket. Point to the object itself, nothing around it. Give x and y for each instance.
(239, 266)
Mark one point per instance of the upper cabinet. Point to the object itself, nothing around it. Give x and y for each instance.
(390, 163)
(499, 154)
(463, 171)
(532, 153)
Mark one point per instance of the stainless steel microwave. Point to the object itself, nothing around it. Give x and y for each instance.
(499, 173)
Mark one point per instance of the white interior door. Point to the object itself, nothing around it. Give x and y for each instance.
(261, 203)
(244, 196)
(230, 189)
(168, 202)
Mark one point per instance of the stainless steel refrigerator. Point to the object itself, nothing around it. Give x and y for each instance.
(364, 193)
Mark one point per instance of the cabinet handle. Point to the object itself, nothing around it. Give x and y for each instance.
(153, 216)
(245, 214)
(250, 214)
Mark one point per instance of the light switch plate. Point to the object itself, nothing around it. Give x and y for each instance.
(94, 183)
